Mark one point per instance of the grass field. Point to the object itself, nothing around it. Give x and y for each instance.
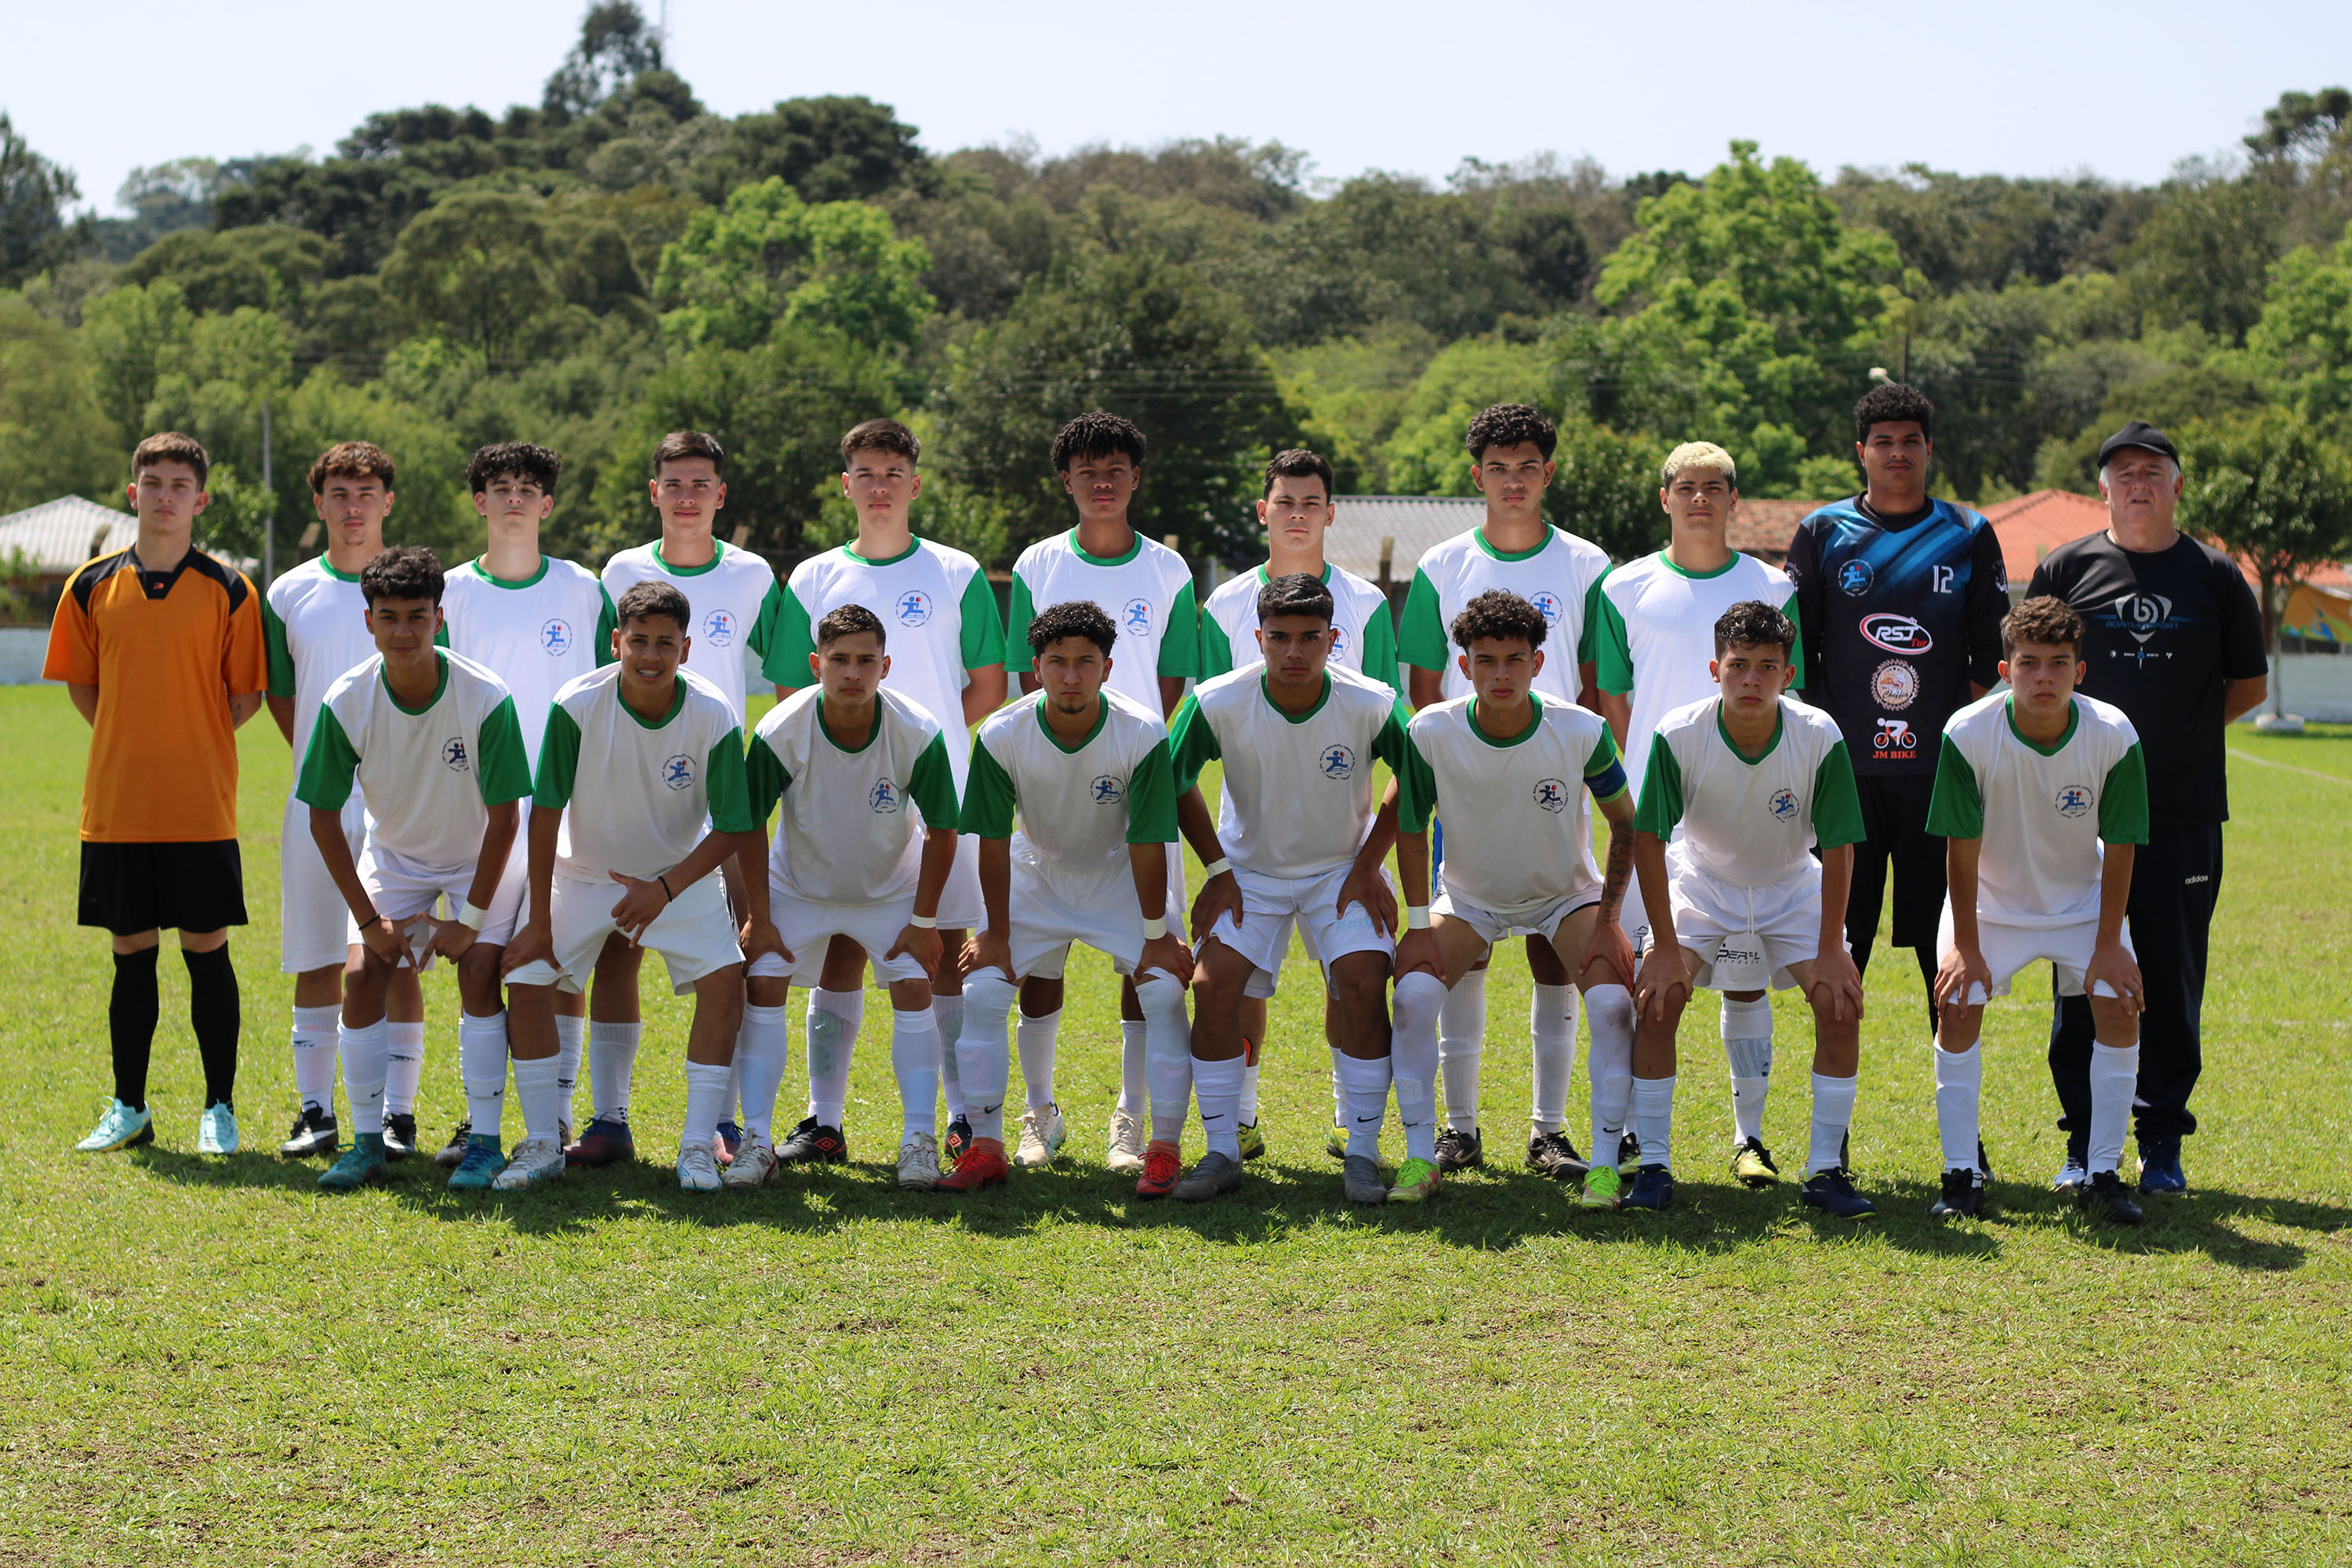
(208, 1362)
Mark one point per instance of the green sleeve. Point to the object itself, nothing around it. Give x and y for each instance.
(1191, 744)
(608, 621)
(1379, 647)
(1585, 633)
(1661, 806)
(280, 657)
(329, 766)
(765, 779)
(788, 660)
(725, 788)
(931, 780)
(1797, 649)
(1416, 790)
(1613, 647)
(1217, 648)
(1151, 798)
(988, 798)
(768, 645)
(1018, 613)
(1391, 745)
(559, 759)
(503, 767)
(982, 633)
(1421, 635)
(1837, 805)
(1179, 646)
(441, 635)
(1605, 769)
(1956, 809)
(2122, 803)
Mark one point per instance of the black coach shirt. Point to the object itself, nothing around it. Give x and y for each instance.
(2163, 632)
(1900, 614)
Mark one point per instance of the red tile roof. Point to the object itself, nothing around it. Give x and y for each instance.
(1764, 528)
(2031, 526)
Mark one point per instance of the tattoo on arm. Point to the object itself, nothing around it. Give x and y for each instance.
(1621, 867)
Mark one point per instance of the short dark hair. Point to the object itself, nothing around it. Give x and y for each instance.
(880, 436)
(351, 460)
(171, 447)
(1097, 435)
(1298, 463)
(1072, 618)
(681, 444)
(848, 621)
(651, 601)
(520, 458)
(1294, 593)
(1510, 425)
(1752, 623)
(403, 572)
(1893, 402)
(1499, 614)
(2044, 618)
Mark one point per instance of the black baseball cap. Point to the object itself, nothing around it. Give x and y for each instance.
(2141, 433)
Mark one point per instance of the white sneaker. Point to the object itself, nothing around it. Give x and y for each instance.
(1042, 1134)
(1125, 1143)
(755, 1163)
(217, 1130)
(918, 1162)
(2071, 1177)
(697, 1168)
(534, 1160)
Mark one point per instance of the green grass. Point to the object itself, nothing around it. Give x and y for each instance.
(208, 1362)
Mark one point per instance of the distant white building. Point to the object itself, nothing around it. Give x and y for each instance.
(55, 537)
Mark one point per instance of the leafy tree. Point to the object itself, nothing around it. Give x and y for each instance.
(1988, 231)
(271, 267)
(476, 267)
(2204, 255)
(133, 335)
(2302, 125)
(770, 256)
(1425, 456)
(36, 229)
(2303, 339)
(615, 44)
(1605, 487)
(827, 149)
(54, 438)
(165, 197)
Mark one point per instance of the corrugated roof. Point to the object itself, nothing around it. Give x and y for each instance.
(61, 534)
(1417, 524)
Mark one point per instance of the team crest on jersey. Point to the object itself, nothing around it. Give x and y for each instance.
(1339, 641)
(2074, 801)
(555, 637)
(453, 751)
(1854, 578)
(677, 772)
(1895, 633)
(1783, 805)
(1552, 794)
(914, 608)
(1136, 618)
(718, 627)
(1337, 762)
(1895, 685)
(1106, 790)
(882, 798)
(1549, 602)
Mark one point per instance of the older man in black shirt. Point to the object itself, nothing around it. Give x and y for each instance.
(2173, 636)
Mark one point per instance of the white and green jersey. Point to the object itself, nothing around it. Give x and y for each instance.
(1560, 577)
(2042, 811)
(1147, 592)
(641, 792)
(848, 834)
(1520, 838)
(1080, 806)
(736, 600)
(1653, 636)
(428, 773)
(1363, 632)
(1298, 789)
(535, 635)
(1747, 821)
(939, 619)
(314, 628)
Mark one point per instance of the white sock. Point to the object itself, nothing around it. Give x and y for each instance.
(706, 1101)
(1338, 1091)
(762, 1046)
(982, 1060)
(832, 1020)
(363, 1066)
(1832, 1114)
(1461, 1035)
(570, 1039)
(315, 1044)
(1412, 1058)
(1551, 1032)
(1217, 1089)
(1367, 1101)
(947, 1016)
(482, 1065)
(914, 1058)
(403, 1067)
(612, 1061)
(1960, 1093)
(2115, 1077)
(1134, 1069)
(1037, 1039)
(1654, 1120)
(1747, 1043)
(1251, 1049)
(1168, 1056)
(537, 1095)
(1609, 1009)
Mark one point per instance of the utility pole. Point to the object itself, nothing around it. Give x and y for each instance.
(268, 506)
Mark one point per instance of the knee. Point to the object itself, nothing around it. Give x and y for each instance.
(989, 994)
(1609, 1007)
(1160, 996)
(1420, 998)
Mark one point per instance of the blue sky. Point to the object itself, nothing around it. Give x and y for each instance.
(1992, 85)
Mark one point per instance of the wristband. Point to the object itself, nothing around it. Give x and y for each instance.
(1416, 917)
(1154, 927)
(472, 916)
(666, 894)
(1217, 868)
(924, 922)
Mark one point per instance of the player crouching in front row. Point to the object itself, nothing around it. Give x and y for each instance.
(1737, 903)
(2031, 783)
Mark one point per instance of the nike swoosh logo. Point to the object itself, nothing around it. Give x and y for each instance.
(991, 1109)
(1366, 1120)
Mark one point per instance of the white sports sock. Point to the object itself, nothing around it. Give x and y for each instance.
(2115, 1077)
(1832, 1114)
(981, 1055)
(832, 1020)
(1251, 1049)
(1134, 1071)
(915, 1059)
(482, 1065)
(1654, 1120)
(947, 1013)
(1217, 1089)
(762, 1046)
(403, 1067)
(537, 1095)
(1461, 1035)
(1037, 1039)
(315, 1041)
(1551, 1034)
(1338, 1091)
(1367, 1101)
(570, 1037)
(1747, 1043)
(1610, 1064)
(705, 1100)
(364, 1067)
(1960, 1093)
(612, 1061)
(1168, 1056)
(1413, 1058)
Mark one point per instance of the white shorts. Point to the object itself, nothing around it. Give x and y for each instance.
(1785, 915)
(1493, 927)
(1263, 983)
(313, 921)
(1052, 910)
(2008, 948)
(959, 905)
(1271, 904)
(406, 892)
(808, 928)
(695, 936)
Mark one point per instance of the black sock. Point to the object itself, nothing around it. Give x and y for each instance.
(130, 1022)
(213, 1013)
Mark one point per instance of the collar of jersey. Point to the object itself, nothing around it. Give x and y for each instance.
(871, 735)
(1478, 730)
(495, 580)
(338, 577)
(1263, 579)
(1779, 728)
(1101, 719)
(440, 664)
(1134, 549)
(913, 544)
(1667, 562)
(717, 554)
(1296, 718)
(677, 702)
(2074, 721)
(1480, 533)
